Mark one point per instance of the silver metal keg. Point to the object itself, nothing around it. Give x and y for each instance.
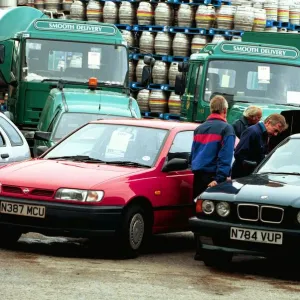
(160, 72)
(163, 43)
(198, 42)
(143, 100)
(164, 14)
(66, 5)
(181, 45)
(145, 13)
(39, 4)
(174, 104)
(8, 3)
(110, 12)
(128, 35)
(146, 42)
(139, 70)
(173, 71)
(186, 16)
(158, 101)
(94, 11)
(131, 73)
(77, 10)
(127, 13)
(52, 4)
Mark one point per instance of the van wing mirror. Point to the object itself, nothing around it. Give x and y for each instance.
(183, 66)
(2, 54)
(146, 75)
(149, 61)
(179, 85)
(42, 136)
(41, 150)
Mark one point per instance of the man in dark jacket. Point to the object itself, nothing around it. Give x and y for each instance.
(252, 114)
(253, 145)
(212, 149)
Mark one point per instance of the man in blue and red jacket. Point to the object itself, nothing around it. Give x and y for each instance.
(213, 146)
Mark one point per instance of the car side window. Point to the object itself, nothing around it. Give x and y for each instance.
(182, 145)
(11, 132)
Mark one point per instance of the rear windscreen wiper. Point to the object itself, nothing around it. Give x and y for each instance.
(127, 163)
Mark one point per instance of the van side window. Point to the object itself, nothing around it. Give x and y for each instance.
(13, 135)
(182, 145)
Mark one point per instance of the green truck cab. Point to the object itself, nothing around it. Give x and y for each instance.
(245, 73)
(37, 53)
(65, 111)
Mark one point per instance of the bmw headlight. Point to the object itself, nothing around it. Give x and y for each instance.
(208, 207)
(223, 209)
(298, 217)
(79, 195)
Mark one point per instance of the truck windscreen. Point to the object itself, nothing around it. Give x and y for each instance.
(257, 82)
(73, 61)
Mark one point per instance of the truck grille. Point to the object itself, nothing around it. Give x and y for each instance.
(10, 189)
(264, 213)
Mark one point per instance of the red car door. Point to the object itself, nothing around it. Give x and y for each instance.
(177, 187)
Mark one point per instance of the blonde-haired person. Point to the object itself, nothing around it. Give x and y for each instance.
(253, 145)
(251, 116)
(212, 149)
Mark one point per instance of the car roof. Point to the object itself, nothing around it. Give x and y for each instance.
(154, 123)
(295, 136)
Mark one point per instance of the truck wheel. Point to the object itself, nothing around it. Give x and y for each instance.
(9, 237)
(133, 232)
(216, 259)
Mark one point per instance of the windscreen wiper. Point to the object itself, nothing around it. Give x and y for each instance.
(127, 163)
(289, 104)
(279, 173)
(81, 158)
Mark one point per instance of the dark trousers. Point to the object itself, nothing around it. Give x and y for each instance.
(201, 181)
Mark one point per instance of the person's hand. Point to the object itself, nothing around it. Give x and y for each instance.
(213, 183)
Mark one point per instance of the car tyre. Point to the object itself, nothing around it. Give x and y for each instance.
(9, 237)
(132, 235)
(216, 259)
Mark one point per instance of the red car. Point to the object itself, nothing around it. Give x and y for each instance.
(125, 178)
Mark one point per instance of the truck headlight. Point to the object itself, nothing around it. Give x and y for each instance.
(223, 209)
(79, 195)
(208, 207)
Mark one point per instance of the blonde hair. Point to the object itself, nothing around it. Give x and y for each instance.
(275, 119)
(252, 111)
(218, 104)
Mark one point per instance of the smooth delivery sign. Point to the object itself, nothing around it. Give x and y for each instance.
(260, 51)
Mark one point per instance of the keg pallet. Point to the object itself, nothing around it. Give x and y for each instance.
(271, 23)
(153, 28)
(138, 56)
(152, 115)
(173, 117)
(294, 27)
(177, 58)
(187, 30)
(124, 27)
(156, 86)
(225, 32)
